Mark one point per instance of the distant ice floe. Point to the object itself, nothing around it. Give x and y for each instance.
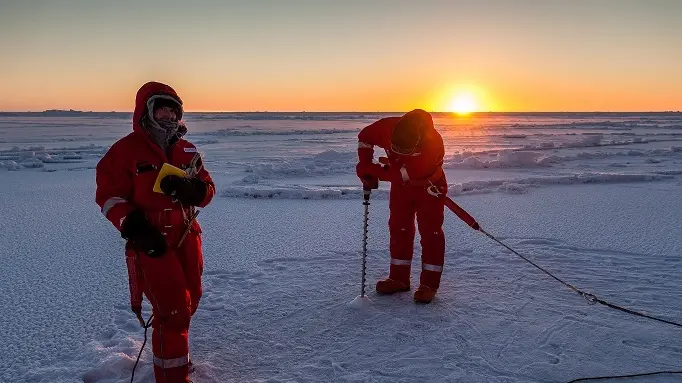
(520, 185)
(328, 162)
(332, 162)
(510, 186)
(249, 131)
(297, 192)
(10, 165)
(588, 140)
(606, 125)
(35, 157)
(506, 158)
(205, 142)
(300, 116)
(511, 158)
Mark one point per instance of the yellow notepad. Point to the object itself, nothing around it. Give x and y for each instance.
(167, 169)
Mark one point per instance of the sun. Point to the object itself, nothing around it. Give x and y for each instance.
(463, 104)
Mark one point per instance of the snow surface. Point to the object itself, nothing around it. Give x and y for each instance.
(594, 198)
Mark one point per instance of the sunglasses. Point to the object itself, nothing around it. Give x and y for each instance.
(404, 151)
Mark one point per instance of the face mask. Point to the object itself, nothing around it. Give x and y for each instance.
(169, 126)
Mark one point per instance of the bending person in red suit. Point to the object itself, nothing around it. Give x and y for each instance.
(414, 167)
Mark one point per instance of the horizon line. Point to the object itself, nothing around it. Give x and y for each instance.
(345, 111)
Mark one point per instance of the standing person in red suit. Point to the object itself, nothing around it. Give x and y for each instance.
(162, 264)
(414, 167)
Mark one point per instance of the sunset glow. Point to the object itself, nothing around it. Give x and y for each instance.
(340, 56)
(464, 104)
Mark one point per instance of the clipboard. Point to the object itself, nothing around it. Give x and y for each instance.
(167, 169)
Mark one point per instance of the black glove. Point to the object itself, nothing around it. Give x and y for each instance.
(143, 235)
(189, 191)
(370, 182)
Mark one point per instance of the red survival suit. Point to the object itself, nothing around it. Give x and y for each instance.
(171, 282)
(411, 176)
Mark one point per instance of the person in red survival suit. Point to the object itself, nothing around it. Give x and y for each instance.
(161, 263)
(414, 168)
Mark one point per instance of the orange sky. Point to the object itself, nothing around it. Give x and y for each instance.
(346, 56)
